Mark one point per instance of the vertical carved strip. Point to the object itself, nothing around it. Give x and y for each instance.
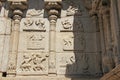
(53, 9)
(17, 8)
(14, 45)
(98, 55)
(115, 31)
(107, 56)
(52, 43)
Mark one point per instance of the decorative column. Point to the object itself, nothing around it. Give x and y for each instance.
(115, 31)
(53, 9)
(17, 8)
(1, 4)
(107, 55)
(95, 21)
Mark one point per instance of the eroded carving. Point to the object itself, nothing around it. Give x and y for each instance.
(74, 43)
(40, 24)
(28, 22)
(34, 12)
(34, 42)
(34, 24)
(34, 62)
(71, 11)
(67, 25)
(68, 44)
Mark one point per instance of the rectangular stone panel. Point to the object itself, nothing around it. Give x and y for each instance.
(34, 24)
(33, 42)
(65, 24)
(77, 63)
(68, 41)
(32, 63)
(75, 24)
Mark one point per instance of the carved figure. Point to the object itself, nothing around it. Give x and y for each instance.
(71, 11)
(28, 22)
(34, 62)
(66, 24)
(38, 62)
(26, 64)
(40, 24)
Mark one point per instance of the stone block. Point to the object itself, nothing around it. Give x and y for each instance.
(69, 41)
(33, 42)
(32, 63)
(34, 24)
(77, 63)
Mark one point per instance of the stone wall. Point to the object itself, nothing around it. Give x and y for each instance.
(65, 39)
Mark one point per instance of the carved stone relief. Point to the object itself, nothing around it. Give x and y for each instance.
(71, 11)
(37, 63)
(34, 24)
(76, 63)
(70, 42)
(33, 41)
(34, 13)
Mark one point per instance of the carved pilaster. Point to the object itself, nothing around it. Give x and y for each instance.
(107, 55)
(115, 31)
(53, 9)
(17, 8)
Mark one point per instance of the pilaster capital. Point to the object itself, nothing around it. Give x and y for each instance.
(17, 7)
(53, 8)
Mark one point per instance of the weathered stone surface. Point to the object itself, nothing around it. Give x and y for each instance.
(33, 41)
(59, 39)
(5, 26)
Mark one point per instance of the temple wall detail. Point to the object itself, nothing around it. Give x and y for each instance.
(59, 39)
